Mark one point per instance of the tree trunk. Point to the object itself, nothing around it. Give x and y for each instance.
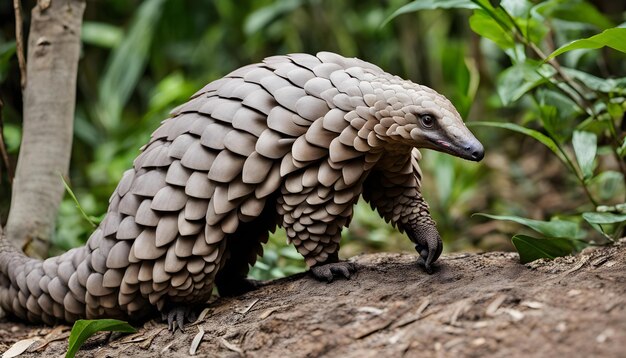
(49, 100)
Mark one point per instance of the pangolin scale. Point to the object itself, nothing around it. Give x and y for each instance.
(292, 141)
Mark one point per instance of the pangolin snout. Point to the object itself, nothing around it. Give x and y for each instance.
(475, 151)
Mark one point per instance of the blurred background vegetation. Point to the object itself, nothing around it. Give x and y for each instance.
(142, 58)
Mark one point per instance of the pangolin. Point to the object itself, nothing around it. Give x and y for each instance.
(293, 141)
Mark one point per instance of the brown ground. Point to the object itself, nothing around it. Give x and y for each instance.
(473, 305)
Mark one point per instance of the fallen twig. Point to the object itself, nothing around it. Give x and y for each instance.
(245, 310)
(417, 315)
(196, 341)
(231, 346)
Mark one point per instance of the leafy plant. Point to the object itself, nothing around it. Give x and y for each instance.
(561, 98)
(83, 329)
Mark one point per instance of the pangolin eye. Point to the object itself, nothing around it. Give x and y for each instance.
(427, 120)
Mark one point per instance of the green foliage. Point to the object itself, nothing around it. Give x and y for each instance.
(562, 98)
(585, 147)
(531, 249)
(126, 64)
(554, 229)
(613, 38)
(83, 329)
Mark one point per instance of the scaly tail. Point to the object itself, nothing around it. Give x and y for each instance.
(41, 291)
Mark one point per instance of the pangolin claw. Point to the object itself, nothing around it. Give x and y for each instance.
(177, 316)
(427, 243)
(327, 272)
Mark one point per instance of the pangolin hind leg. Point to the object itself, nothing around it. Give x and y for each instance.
(332, 268)
(313, 219)
(242, 249)
(241, 253)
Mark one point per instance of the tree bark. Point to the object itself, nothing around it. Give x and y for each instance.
(49, 101)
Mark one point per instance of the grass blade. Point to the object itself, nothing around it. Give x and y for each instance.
(80, 208)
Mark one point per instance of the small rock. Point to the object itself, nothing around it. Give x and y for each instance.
(574, 292)
(479, 342)
(605, 335)
(532, 304)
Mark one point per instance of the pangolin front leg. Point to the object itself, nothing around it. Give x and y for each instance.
(394, 190)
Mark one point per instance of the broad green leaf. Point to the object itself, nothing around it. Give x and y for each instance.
(430, 5)
(585, 147)
(554, 228)
(567, 110)
(551, 122)
(606, 85)
(531, 249)
(614, 38)
(101, 34)
(126, 64)
(544, 139)
(516, 80)
(608, 185)
(574, 11)
(84, 329)
(604, 218)
(486, 26)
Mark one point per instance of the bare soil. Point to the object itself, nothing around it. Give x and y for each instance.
(473, 305)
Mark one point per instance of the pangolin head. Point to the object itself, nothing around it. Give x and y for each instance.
(420, 117)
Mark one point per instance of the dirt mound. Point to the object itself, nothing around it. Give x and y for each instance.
(473, 305)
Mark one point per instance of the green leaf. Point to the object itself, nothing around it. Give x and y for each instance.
(551, 122)
(544, 139)
(531, 249)
(606, 85)
(262, 17)
(516, 80)
(430, 5)
(585, 147)
(126, 64)
(554, 228)
(608, 184)
(574, 11)
(84, 329)
(567, 110)
(101, 34)
(486, 26)
(12, 137)
(614, 38)
(604, 218)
